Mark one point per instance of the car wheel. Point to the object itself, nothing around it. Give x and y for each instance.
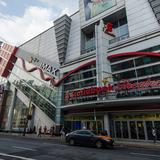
(99, 144)
(71, 142)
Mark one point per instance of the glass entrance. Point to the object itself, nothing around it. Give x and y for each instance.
(118, 129)
(125, 129)
(76, 125)
(149, 126)
(141, 130)
(157, 126)
(140, 127)
(93, 125)
(133, 130)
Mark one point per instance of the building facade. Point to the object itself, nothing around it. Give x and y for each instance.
(99, 68)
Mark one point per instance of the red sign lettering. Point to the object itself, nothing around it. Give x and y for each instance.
(123, 85)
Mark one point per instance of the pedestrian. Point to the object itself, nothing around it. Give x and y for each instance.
(45, 130)
(62, 133)
(52, 131)
(39, 131)
(34, 129)
(154, 134)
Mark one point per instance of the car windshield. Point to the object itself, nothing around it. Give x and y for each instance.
(94, 132)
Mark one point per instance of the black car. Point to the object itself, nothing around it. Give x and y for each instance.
(89, 138)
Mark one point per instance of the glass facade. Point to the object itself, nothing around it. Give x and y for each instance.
(84, 78)
(6, 111)
(137, 69)
(41, 93)
(136, 126)
(120, 29)
(19, 115)
(88, 41)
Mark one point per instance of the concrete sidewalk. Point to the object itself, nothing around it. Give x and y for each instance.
(138, 144)
(118, 143)
(32, 136)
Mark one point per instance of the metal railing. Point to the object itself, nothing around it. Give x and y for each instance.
(118, 39)
(38, 100)
(89, 46)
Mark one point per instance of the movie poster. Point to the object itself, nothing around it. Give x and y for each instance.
(95, 7)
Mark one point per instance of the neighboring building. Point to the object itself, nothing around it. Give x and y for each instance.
(98, 68)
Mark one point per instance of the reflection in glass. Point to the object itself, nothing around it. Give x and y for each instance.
(149, 127)
(157, 126)
(118, 129)
(133, 130)
(125, 129)
(140, 127)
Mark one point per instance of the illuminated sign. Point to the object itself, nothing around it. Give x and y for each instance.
(88, 92)
(50, 68)
(44, 66)
(127, 85)
(122, 86)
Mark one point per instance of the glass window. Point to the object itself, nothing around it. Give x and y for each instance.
(123, 30)
(127, 75)
(88, 74)
(148, 70)
(120, 27)
(118, 129)
(145, 71)
(146, 60)
(140, 127)
(149, 126)
(157, 126)
(122, 21)
(84, 132)
(133, 130)
(156, 69)
(125, 129)
(123, 65)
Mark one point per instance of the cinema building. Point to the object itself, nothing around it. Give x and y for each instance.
(98, 68)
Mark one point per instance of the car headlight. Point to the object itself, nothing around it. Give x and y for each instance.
(67, 134)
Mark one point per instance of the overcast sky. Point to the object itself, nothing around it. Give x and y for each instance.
(20, 20)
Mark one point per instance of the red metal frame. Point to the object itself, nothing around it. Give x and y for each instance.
(56, 83)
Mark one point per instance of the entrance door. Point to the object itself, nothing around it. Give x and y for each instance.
(94, 125)
(157, 126)
(149, 126)
(118, 129)
(125, 129)
(140, 127)
(133, 130)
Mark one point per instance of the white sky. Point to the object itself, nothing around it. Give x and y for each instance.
(21, 20)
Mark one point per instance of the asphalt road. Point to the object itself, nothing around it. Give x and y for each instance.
(19, 148)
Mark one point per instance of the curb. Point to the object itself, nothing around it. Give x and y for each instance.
(137, 145)
(117, 144)
(34, 136)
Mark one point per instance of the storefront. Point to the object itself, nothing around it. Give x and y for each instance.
(136, 125)
(92, 122)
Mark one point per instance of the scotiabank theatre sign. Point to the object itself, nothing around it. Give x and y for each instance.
(124, 85)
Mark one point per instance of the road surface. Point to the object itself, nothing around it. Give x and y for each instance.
(20, 148)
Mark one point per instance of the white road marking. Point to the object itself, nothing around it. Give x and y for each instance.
(14, 156)
(29, 149)
(148, 155)
(1, 159)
